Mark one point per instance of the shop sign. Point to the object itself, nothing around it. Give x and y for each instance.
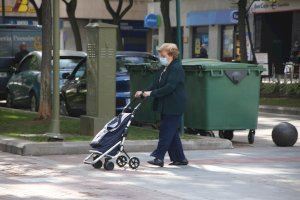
(262, 59)
(235, 15)
(278, 6)
(18, 6)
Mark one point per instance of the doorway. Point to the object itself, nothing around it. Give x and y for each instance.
(274, 30)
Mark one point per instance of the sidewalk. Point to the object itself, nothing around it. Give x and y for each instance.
(28, 148)
(279, 110)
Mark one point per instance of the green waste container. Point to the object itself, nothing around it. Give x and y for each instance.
(222, 96)
(141, 76)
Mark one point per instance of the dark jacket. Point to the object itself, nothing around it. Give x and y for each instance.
(20, 55)
(169, 93)
(203, 53)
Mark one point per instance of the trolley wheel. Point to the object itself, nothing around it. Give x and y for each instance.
(226, 134)
(251, 136)
(108, 165)
(98, 164)
(134, 163)
(121, 161)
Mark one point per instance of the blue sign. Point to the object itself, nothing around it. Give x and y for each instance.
(151, 21)
(234, 16)
(211, 17)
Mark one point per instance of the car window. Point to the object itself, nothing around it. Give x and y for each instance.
(123, 60)
(80, 73)
(29, 63)
(69, 63)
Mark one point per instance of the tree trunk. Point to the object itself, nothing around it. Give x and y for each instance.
(165, 11)
(117, 17)
(45, 94)
(71, 9)
(242, 29)
(38, 11)
(250, 40)
(120, 46)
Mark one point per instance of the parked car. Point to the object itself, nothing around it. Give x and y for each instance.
(73, 93)
(23, 88)
(11, 36)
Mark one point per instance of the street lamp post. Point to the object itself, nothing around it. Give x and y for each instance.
(55, 128)
(179, 38)
(179, 34)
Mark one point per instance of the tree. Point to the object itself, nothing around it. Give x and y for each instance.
(38, 10)
(117, 16)
(45, 94)
(71, 8)
(165, 11)
(242, 28)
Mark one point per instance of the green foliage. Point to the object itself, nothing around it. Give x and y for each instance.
(280, 90)
(281, 101)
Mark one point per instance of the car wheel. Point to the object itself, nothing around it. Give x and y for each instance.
(63, 107)
(34, 106)
(9, 100)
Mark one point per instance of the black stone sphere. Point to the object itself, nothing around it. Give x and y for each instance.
(284, 134)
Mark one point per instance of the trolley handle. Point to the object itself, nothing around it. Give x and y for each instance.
(135, 99)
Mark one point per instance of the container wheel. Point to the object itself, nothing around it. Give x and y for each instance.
(251, 136)
(226, 134)
(121, 161)
(134, 163)
(98, 164)
(108, 165)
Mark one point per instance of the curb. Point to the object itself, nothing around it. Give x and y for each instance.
(279, 110)
(28, 148)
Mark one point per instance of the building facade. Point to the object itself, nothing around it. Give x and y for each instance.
(277, 30)
(214, 23)
(211, 23)
(134, 34)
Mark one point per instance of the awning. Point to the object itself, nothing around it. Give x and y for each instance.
(212, 17)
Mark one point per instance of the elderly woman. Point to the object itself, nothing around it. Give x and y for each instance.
(169, 96)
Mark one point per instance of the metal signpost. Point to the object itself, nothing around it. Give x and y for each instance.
(179, 36)
(55, 126)
(3, 12)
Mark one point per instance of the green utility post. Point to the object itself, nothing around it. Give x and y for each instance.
(55, 130)
(3, 11)
(100, 76)
(179, 36)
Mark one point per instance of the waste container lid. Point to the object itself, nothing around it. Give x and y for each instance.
(209, 64)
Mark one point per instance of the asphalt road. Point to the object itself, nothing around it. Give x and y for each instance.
(261, 171)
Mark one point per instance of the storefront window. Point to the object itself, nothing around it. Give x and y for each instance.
(227, 43)
(200, 36)
(230, 44)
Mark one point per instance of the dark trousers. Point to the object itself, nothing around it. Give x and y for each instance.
(169, 139)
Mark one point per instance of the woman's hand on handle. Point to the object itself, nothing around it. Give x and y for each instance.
(147, 93)
(138, 94)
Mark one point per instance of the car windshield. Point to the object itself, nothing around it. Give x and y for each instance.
(123, 60)
(67, 63)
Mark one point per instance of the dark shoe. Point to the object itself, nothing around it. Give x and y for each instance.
(156, 162)
(183, 162)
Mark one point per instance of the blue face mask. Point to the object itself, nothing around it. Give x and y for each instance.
(163, 61)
